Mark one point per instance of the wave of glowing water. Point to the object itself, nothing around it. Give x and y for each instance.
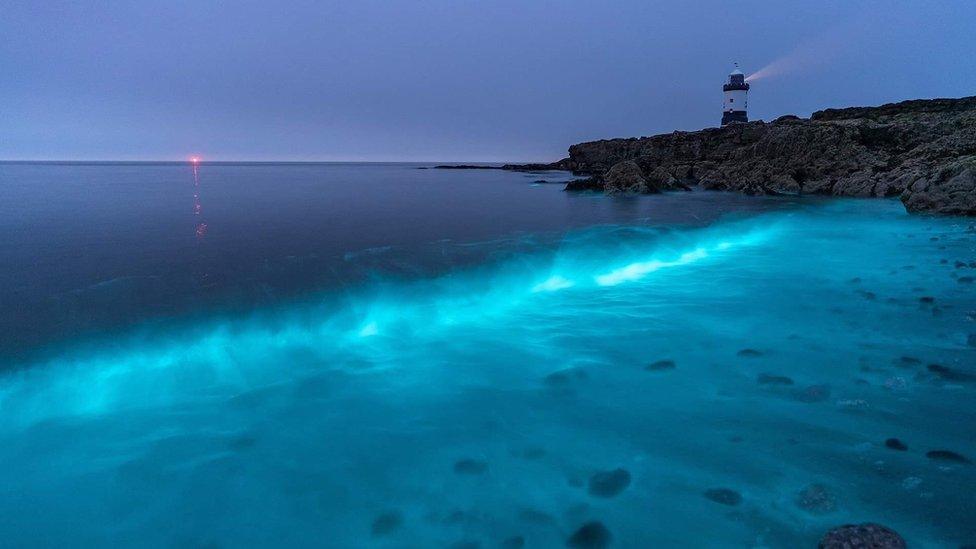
(377, 328)
(544, 365)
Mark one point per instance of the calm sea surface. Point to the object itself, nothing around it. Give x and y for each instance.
(382, 355)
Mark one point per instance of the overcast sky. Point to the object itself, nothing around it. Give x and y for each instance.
(443, 80)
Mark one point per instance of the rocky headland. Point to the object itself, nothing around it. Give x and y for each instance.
(921, 150)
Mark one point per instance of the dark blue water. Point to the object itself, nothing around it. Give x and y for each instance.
(358, 355)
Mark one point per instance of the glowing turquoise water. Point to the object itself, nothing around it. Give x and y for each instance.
(475, 406)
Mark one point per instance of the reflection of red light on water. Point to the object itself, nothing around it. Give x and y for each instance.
(201, 230)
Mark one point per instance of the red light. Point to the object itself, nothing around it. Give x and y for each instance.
(195, 159)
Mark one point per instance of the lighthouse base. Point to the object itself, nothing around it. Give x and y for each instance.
(734, 116)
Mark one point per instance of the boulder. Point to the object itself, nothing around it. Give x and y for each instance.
(627, 177)
(952, 190)
(862, 536)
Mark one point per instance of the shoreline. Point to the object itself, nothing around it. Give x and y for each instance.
(922, 151)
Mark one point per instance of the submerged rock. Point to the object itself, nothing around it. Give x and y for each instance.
(771, 379)
(725, 496)
(514, 542)
(907, 361)
(532, 452)
(607, 484)
(592, 535)
(946, 455)
(947, 373)
(470, 466)
(862, 536)
(813, 393)
(816, 499)
(853, 404)
(895, 444)
(895, 383)
(534, 516)
(386, 523)
(660, 365)
(910, 483)
(564, 378)
(749, 353)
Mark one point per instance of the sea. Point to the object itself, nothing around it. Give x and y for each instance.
(391, 355)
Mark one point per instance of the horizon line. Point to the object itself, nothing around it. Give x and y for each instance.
(188, 161)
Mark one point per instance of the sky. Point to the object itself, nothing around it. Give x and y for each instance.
(450, 80)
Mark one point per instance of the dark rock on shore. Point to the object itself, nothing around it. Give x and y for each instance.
(466, 167)
(923, 151)
(629, 177)
(561, 165)
(862, 536)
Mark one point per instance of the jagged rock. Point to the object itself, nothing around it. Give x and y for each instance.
(923, 150)
(627, 177)
(862, 536)
(586, 184)
(951, 190)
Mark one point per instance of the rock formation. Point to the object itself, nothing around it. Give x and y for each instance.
(922, 150)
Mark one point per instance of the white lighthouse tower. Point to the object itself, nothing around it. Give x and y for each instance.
(736, 90)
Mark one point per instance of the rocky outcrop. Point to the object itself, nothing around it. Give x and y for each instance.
(535, 167)
(866, 536)
(922, 150)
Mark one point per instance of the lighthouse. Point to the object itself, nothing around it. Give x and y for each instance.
(734, 109)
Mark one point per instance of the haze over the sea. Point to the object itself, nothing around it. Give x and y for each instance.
(443, 80)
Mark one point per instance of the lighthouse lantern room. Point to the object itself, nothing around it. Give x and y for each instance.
(736, 90)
